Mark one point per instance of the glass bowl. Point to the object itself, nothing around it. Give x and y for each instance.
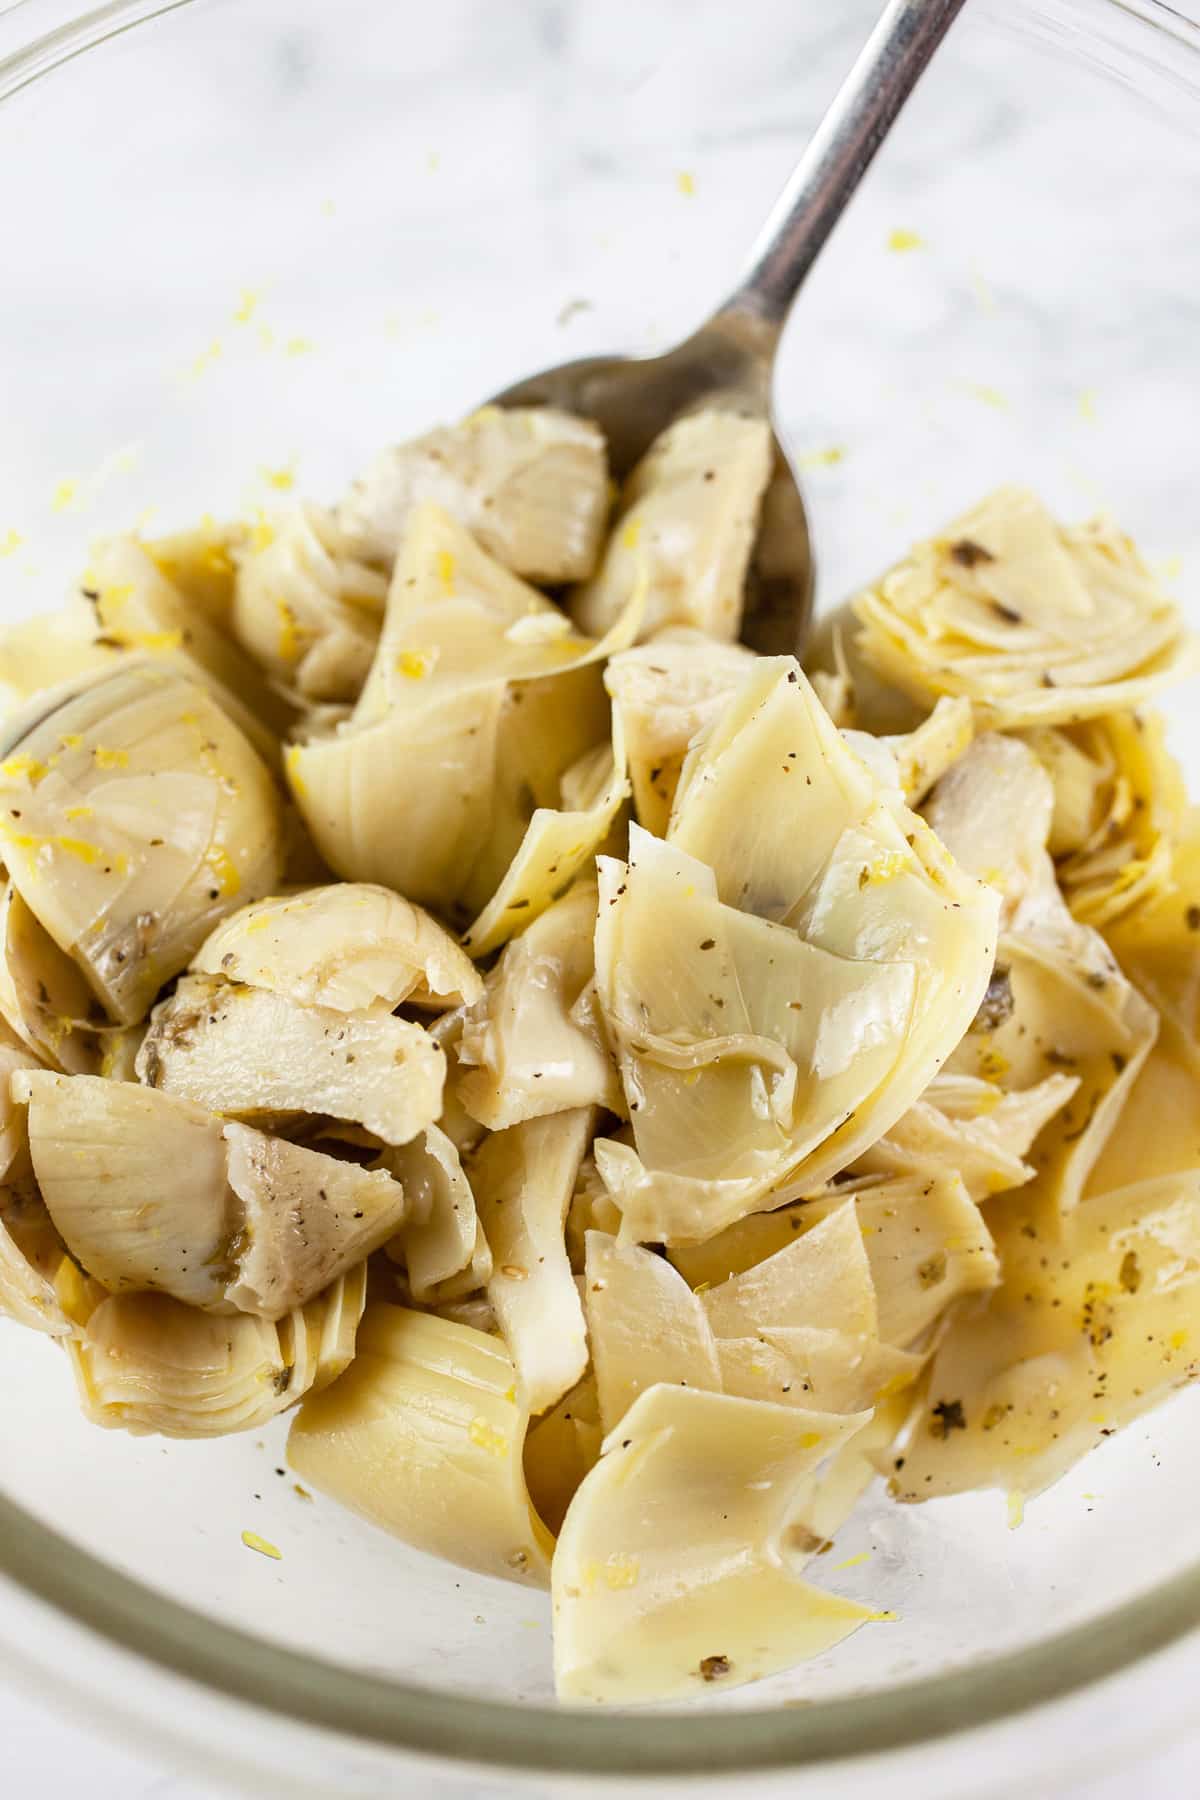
(248, 241)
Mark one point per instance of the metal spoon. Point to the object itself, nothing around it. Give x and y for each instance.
(730, 361)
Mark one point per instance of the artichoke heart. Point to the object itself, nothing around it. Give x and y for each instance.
(665, 694)
(676, 1564)
(147, 1363)
(530, 483)
(1120, 805)
(534, 1044)
(31, 1253)
(44, 998)
(1021, 1389)
(1035, 623)
(523, 1180)
(926, 1245)
(480, 697)
(306, 609)
(350, 946)
(645, 1325)
(685, 528)
(140, 610)
(422, 1435)
(133, 817)
(248, 1052)
(975, 1127)
(558, 844)
(783, 976)
(442, 1245)
(243, 1221)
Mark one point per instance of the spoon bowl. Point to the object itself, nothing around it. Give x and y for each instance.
(727, 365)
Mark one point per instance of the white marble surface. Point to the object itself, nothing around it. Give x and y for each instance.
(1044, 328)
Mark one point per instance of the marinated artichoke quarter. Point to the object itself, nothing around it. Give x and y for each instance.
(629, 1094)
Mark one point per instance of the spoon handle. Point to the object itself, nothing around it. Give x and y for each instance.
(839, 154)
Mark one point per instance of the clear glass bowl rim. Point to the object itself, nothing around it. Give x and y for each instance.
(390, 1714)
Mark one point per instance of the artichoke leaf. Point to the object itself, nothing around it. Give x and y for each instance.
(442, 1236)
(645, 1326)
(44, 997)
(534, 1045)
(523, 1179)
(139, 610)
(306, 609)
(133, 817)
(1018, 1391)
(558, 844)
(245, 1222)
(148, 1363)
(665, 693)
(249, 1052)
(351, 946)
(423, 1435)
(1035, 623)
(675, 1564)
(530, 483)
(685, 528)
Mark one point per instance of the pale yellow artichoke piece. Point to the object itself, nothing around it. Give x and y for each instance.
(137, 609)
(665, 693)
(523, 1180)
(201, 563)
(761, 1057)
(685, 528)
(50, 650)
(480, 698)
(558, 844)
(44, 998)
(1073, 1013)
(147, 1363)
(530, 483)
(821, 1279)
(244, 1220)
(924, 754)
(1120, 805)
(770, 759)
(249, 1052)
(441, 1237)
(925, 1240)
(992, 811)
(133, 817)
(351, 946)
(973, 1128)
(304, 1220)
(815, 1366)
(591, 1209)
(645, 1326)
(335, 1317)
(674, 1567)
(534, 1044)
(406, 803)
(422, 1436)
(307, 609)
(731, 1086)
(828, 1496)
(1021, 1389)
(927, 1244)
(560, 1449)
(456, 617)
(30, 1254)
(463, 1131)
(134, 1182)
(1033, 622)
(15, 1058)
